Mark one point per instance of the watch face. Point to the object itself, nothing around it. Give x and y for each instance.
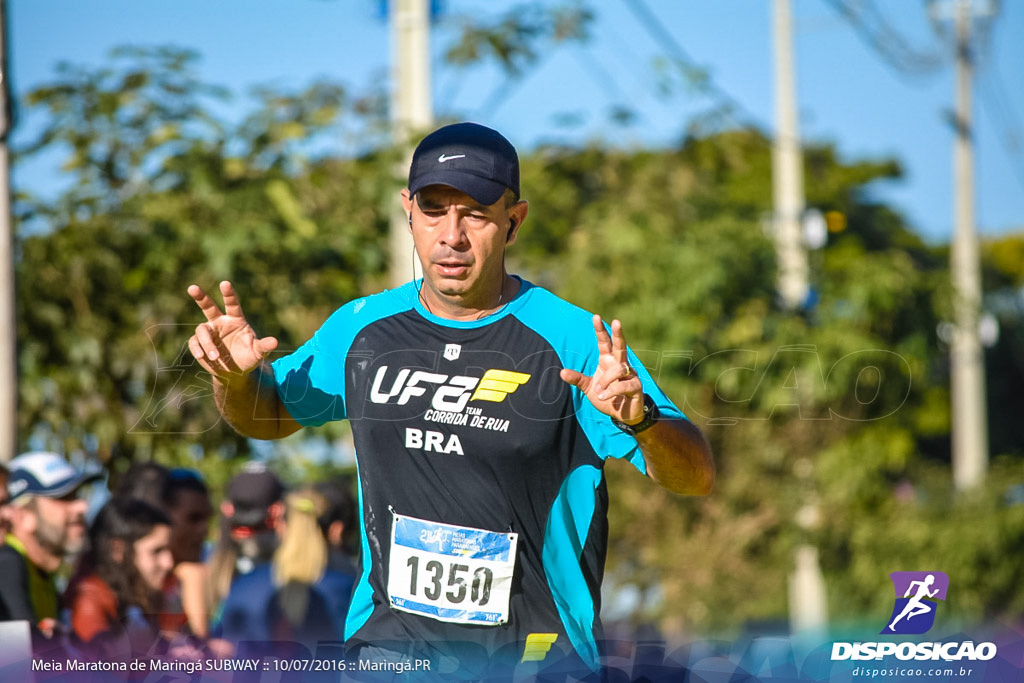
(648, 405)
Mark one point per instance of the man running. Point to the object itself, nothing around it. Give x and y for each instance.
(482, 408)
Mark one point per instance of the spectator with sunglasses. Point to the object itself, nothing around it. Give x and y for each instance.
(250, 513)
(47, 525)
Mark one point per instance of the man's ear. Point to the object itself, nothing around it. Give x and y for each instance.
(407, 206)
(21, 519)
(516, 215)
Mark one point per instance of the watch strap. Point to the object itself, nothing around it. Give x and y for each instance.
(651, 415)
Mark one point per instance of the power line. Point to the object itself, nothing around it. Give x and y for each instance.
(999, 110)
(602, 78)
(704, 83)
(890, 45)
(1003, 119)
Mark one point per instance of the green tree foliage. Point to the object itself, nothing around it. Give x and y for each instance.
(163, 195)
(516, 39)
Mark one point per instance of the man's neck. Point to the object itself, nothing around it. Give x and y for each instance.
(462, 308)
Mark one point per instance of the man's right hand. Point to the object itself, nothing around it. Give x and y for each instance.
(225, 345)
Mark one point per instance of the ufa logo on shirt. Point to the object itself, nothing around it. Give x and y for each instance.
(451, 392)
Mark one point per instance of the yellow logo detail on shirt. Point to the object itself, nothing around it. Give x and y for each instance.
(497, 384)
(537, 646)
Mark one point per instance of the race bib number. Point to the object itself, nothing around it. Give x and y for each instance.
(451, 573)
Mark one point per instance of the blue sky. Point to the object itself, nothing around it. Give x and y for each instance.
(847, 93)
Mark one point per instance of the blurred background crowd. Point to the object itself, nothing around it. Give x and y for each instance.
(141, 574)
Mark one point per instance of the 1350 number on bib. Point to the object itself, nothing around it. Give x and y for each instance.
(450, 573)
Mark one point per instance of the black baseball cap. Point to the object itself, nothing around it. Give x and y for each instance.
(469, 157)
(251, 493)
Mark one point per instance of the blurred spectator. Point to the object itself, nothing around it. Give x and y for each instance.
(145, 481)
(116, 592)
(186, 499)
(184, 496)
(47, 523)
(296, 597)
(340, 524)
(250, 513)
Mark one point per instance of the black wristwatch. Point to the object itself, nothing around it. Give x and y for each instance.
(651, 416)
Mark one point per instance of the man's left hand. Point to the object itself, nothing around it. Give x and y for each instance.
(614, 389)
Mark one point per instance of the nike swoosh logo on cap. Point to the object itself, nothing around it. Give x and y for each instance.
(443, 158)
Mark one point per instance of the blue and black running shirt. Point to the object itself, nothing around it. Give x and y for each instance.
(480, 471)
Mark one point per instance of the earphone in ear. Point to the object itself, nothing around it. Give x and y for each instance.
(511, 228)
(410, 221)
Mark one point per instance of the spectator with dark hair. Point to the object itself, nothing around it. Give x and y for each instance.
(184, 496)
(186, 499)
(145, 481)
(116, 593)
(295, 597)
(47, 519)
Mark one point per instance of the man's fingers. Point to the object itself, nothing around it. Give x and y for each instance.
(622, 387)
(232, 306)
(196, 348)
(611, 376)
(618, 342)
(577, 379)
(205, 303)
(604, 342)
(204, 334)
(266, 345)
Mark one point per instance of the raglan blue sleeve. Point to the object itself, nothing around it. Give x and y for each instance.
(311, 380)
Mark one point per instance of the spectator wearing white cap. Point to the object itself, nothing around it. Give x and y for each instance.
(47, 524)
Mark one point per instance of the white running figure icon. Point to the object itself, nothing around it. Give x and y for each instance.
(915, 606)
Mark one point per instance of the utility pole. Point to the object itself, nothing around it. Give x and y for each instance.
(787, 169)
(967, 361)
(808, 596)
(8, 339)
(412, 111)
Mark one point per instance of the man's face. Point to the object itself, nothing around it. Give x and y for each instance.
(153, 557)
(461, 243)
(190, 516)
(60, 524)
